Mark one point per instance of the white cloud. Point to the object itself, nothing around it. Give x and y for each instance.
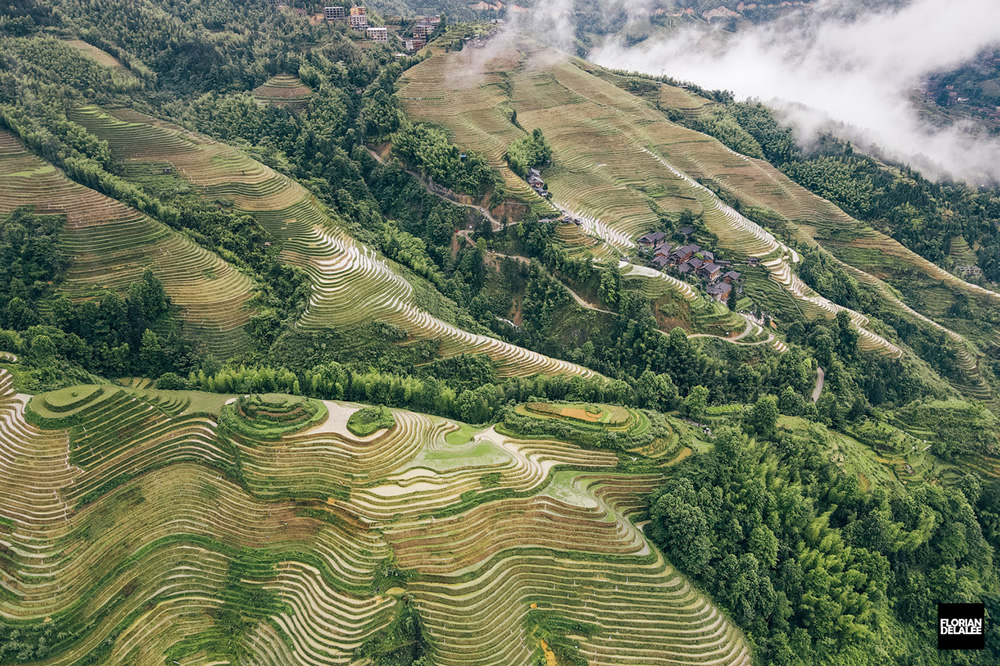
(858, 70)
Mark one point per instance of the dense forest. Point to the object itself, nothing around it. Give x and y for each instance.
(816, 569)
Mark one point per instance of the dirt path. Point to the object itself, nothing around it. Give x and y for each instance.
(582, 303)
(819, 384)
(497, 225)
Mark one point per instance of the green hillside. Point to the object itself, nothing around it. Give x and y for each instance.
(625, 169)
(317, 351)
(198, 537)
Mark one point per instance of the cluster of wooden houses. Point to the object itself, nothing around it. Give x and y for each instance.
(691, 259)
(357, 18)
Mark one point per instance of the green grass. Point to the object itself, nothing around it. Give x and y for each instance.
(463, 435)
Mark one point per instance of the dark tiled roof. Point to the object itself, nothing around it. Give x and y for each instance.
(652, 237)
(720, 288)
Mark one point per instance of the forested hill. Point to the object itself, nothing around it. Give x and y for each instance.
(314, 352)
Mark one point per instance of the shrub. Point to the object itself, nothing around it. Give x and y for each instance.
(528, 151)
(370, 419)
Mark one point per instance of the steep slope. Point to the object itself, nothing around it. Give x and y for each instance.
(150, 525)
(610, 151)
(352, 285)
(110, 244)
(620, 166)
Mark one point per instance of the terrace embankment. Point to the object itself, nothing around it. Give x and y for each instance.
(140, 525)
(620, 166)
(352, 284)
(109, 245)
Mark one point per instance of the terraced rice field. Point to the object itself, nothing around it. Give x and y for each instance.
(607, 416)
(618, 164)
(99, 56)
(110, 244)
(134, 521)
(351, 283)
(872, 257)
(284, 91)
(708, 317)
(466, 96)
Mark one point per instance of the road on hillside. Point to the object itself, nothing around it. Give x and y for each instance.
(497, 224)
(819, 384)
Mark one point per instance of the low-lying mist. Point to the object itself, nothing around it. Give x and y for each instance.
(835, 67)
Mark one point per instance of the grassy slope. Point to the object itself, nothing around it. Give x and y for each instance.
(148, 524)
(620, 162)
(352, 284)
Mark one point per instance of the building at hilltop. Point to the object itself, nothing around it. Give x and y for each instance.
(334, 14)
(359, 18)
(378, 34)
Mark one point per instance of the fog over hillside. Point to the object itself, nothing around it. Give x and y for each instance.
(836, 66)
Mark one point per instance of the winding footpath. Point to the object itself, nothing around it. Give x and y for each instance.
(820, 375)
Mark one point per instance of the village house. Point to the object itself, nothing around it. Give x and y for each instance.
(651, 239)
(710, 271)
(334, 14)
(359, 18)
(753, 261)
(424, 28)
(686, 231)
(708, 255)
(731, 277)
(683, 254)
(720, 291)
(661, 261)
(685, 268)
(414, 43)
(537, 184)
(378, 34)
(662, 250)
